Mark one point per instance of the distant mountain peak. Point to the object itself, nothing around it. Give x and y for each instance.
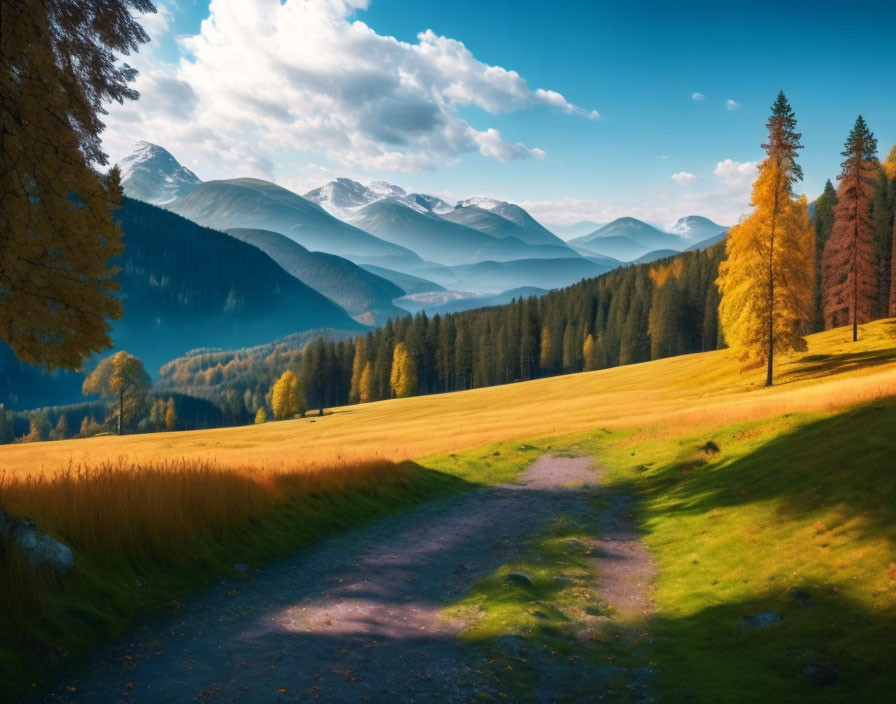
(343, 197)
(696, 227)
(150, 173)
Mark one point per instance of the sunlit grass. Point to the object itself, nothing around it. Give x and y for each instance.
(700, 389)
(150, 517)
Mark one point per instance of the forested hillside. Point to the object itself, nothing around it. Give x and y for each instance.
(184, 287)
(628, 315)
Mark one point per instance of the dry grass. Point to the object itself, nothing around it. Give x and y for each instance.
(701, 389)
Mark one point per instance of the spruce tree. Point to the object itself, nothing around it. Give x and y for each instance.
(849, 269)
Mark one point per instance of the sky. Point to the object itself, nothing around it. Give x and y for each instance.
(574, 110)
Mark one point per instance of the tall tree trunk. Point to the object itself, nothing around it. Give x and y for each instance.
(769, 373)
(855, 280)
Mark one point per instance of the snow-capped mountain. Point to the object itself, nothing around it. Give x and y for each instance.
(151, 174)
(696, 227)
(344, 197)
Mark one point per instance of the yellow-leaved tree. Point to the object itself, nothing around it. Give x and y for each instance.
(122, 379)
(767, 281)
(287, 397)
(365, 390)
(404, 372)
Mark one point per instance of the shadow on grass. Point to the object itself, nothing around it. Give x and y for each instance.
(144, 538)
(818, 365)
(844, 461)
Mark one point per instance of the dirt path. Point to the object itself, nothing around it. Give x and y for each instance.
(357, 618)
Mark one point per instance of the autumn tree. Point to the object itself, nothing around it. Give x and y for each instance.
(365, 390)
(546, 359)
(359, 360)
(849, 271)
(261, 416)
(122, 378)
(170, 415)
(287, 398)
(766, 282)
(60, 432)
(588, 353)
(403, 379)
(57, 235)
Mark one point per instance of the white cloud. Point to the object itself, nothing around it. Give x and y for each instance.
(698, 96)
(156, 24)
(684, 178)
(267, 83)
(726, 202)
(736, 175)
(732, 105)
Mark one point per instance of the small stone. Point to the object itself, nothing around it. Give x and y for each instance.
(52, 555)
(519, 579)
(821, 674)
(25, 537)
(759, 621)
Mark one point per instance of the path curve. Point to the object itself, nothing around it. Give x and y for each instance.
(356, 618)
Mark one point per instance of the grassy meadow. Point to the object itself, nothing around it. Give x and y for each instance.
(798, 499)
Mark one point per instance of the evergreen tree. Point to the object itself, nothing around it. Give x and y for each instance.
(849, 271)
(359, 360)
(766, 283)
(824, 225)
(588, 353)
(546, 361)
(58, 68)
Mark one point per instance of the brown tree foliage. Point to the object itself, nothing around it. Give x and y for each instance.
(58, 66)
(849, 266)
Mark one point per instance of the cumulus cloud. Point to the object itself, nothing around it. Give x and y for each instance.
(698, 96)
(732, 105)
(262, 80)
(684, 178)
(736, 175)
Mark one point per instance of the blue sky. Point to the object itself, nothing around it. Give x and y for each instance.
(638, 64)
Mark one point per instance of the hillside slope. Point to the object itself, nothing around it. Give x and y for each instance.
(365, 295)
(705, 389)
(252, 203)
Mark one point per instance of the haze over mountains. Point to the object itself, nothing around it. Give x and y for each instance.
(242, 262)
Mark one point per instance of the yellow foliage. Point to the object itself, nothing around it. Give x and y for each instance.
(661, 273)
(767, 281)
(546, 359)
(403, 379)
(170, 415)
(261, 416)
(365, 392)
(588, 353)
(287, 400)
(890, 163)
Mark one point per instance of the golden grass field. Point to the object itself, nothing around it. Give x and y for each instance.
(694, 390)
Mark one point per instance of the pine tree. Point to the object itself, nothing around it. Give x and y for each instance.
(403, 378)
(882, 219)
(123, 379)
(58, 68)
(170, 415)
(766, 283)
(849, 276)
(824, 225)
(261, 416)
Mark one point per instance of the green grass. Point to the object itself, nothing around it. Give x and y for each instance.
(57, 621)
(793, 509)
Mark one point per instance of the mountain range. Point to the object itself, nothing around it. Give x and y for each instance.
(242, 262)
